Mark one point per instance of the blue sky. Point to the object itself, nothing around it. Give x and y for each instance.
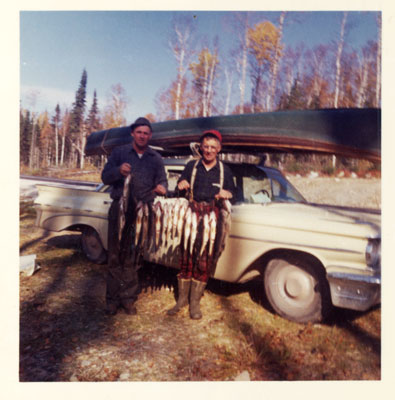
(131, 48)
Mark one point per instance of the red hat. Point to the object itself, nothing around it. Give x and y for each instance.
(212, 132)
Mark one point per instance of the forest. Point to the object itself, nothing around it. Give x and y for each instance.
(261, 71)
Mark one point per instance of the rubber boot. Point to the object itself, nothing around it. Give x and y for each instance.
(183, 296)
(197, 289)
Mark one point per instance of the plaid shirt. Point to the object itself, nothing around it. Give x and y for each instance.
(206, 184)
(148, 171)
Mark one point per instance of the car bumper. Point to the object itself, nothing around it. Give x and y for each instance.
(356, 292)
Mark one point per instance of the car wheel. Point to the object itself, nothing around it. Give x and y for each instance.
(296, 290)
(92, 246)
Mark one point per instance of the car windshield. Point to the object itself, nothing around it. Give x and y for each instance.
(259, 185)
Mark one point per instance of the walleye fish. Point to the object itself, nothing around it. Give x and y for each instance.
(169, 224)
(180, 223)
(123, 205)
(164, 223)
(145, 224)
(158, 223)
(187, 228)
(213, 232)
(176, 209)
(194, 226)
(139, 222)
(206, 233)
(223, 227)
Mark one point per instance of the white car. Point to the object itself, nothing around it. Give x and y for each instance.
(310, 256)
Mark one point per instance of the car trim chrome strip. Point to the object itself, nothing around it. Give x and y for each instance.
(296, 245)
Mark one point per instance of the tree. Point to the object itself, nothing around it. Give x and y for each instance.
(77, 127)
(56, 122)
(180, 46)
(296, 99)
(378, 62)
(338, 59)
(204, 73)
(263, 44)
(93, 120)
(25, 135)
(114, 112)
(275, 65)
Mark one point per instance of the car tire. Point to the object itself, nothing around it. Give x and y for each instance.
(92, 246)
(296, 290)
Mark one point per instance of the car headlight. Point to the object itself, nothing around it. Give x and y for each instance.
(373, 253)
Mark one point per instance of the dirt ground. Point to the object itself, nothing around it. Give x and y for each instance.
(66, 336)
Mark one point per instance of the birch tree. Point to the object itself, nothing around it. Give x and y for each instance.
(263, 39)
(180, 46)
(378, 62)
(338, 59)
(204, 73)
(276, 61)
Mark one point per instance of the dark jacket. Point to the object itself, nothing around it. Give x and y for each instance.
(147, 172)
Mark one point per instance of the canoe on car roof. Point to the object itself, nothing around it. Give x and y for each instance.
(345, 132)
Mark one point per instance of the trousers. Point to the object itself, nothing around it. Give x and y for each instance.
(122, 282)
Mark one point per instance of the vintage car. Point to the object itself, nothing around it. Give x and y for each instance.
(311, 257)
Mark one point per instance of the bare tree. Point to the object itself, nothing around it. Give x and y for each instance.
(229, 83)
(276, 60)
(338, 59)
(180, 46)
(378, 62)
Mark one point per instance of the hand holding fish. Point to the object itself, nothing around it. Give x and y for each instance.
(223, 194)
(125, 169)
(183, 185)
(160, 189)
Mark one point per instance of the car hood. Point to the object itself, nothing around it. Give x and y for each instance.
(311, 217)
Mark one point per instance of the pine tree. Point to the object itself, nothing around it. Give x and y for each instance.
(77, 124)
(25, 136)
(93, 120)
(77, 112)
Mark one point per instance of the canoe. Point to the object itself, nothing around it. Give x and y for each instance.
(346, 132)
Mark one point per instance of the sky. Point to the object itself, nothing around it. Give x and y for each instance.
(132, 48)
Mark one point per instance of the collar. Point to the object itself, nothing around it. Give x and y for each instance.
(216, 166)
(148, 151)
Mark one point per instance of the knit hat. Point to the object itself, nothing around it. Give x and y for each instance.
(141, 121)
(211, 132)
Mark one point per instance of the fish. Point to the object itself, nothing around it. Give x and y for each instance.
(158, 223)
(213, 232)
(180, 223)
(194, 226)
(164, 223)
(176, 209)
(169, 225)
(206, 233)
(139, 222)
(187, 228)
(145, 225)
(123, 205)
(223, 228)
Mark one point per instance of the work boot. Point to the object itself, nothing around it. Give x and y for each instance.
(183, 296)
(197, 289)
(129, 307)
(111, 308)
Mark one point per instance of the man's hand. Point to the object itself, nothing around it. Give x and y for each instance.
(125, 169)
(223, 194)
(160, 189)
(183, 185)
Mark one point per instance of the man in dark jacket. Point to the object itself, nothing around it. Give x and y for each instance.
(148, 180)
(206, 180)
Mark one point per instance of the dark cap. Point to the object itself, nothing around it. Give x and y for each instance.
(140, 121)
(211, 132)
